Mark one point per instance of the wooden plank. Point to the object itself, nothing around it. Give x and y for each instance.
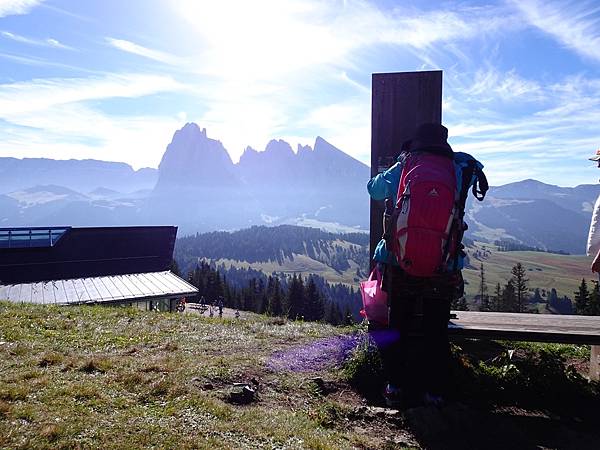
(131, 286)
(37, 292)
(110, 282)
(78, 294)
(47, 289)
(101, 288)
(141, 284)
(60, 294)
(400, 102)
(526, 327)
(91, 289)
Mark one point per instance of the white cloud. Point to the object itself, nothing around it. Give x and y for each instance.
(549, 141)
(491, 84)
(41, 62)
(50, 118)
(78, 132)
(239, 37)
(346, 125)
(38, 95)
(136, 49)
(48, 42)
(273, 69)
(265, 65)
(55, 43)
(576, 25)
(15, 7)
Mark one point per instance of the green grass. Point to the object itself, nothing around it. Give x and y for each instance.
(112, 378)
(544, 270)
(122, 378)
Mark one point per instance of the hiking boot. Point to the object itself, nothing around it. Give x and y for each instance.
(393, 396)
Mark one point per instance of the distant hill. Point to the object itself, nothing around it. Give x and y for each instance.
(285, 248)
(343, 258)
(198, 188)
(52, 205)
(536, 214)
(78, 175)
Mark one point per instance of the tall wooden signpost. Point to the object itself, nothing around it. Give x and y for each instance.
(400, 102)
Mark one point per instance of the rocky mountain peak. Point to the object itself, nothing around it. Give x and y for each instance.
(279, 147)
(304, 150)
(192, 158)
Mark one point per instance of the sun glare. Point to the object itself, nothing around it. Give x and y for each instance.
(259, 39)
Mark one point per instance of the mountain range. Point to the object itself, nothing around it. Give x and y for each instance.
(199, 188)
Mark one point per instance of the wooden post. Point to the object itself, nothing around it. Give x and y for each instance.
(400, 102)
(595, 363)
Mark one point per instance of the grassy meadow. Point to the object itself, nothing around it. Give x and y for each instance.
(100, 377)
(544, 270)
(121, 378)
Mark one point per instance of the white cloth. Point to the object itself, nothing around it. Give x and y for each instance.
(593, 244)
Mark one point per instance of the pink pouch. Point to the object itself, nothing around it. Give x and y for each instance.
(375, 306)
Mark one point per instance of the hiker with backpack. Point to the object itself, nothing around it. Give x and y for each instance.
(419, 261)
(593, 243)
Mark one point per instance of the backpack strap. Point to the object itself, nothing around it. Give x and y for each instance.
(472, 176)
(480, 185)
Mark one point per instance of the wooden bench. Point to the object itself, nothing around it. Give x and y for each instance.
(531, 327)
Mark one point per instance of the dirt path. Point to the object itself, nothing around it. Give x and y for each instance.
(228, 313)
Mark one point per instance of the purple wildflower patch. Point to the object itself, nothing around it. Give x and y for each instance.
(317, 355)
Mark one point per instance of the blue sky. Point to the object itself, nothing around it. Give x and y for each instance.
(112, 80)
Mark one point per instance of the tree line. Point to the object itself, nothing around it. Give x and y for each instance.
(587, 303)
(505, 245)
(515, 296)
(262, 244)
(293, 296)
(512, 297)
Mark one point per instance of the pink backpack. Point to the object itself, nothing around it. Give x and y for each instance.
(425, 236)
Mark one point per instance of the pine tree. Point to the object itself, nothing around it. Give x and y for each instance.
(509, 297)
(248, 299)
(315, 308)
(276, 299)
(594, 306)
(295, 298)
(520, 286)
(333, 313)
(484, 298)
(582, 299)
(330, 313)
(175, 268)
(497, 299)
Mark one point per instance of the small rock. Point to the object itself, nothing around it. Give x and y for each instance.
(378, 411)
(242, 396)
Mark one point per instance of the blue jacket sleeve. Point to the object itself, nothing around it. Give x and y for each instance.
(385, 185)
(380, 187)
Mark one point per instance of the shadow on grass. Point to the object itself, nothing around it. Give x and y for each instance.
(498, 397)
